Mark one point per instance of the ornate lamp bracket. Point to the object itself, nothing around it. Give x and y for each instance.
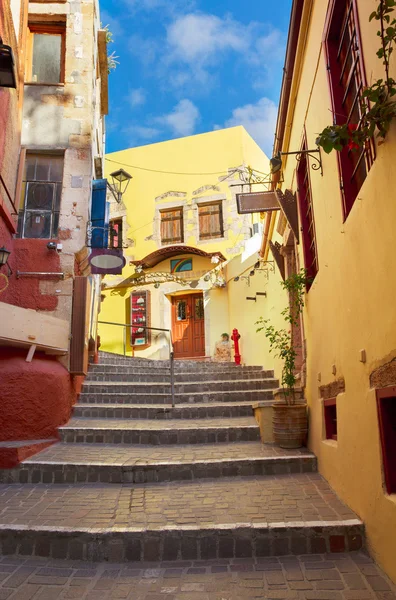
(316, 163)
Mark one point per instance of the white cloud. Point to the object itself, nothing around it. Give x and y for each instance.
(200, 38)
(142, 132)
(259, 120)
(137, 97)
(182, 119)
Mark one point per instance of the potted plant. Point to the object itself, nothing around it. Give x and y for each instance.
(290, 421)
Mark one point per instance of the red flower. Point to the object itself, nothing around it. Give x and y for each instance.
(352, 127)
(353, 145)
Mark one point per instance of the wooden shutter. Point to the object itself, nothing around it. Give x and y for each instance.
(210, 220)
(172, 226)
(80, 326)
(99, 214)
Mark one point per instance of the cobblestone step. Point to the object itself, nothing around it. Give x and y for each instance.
(178, 431)
(342, 576)
(90, 463)
(165, 398)
(158, 411)
(228, 518)
(163, 376)
(180, 388)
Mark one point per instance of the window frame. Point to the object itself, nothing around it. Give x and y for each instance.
(44, 29)
(209, 236)
(338, 9)
(305, 205)
(329, 408)
(22, 189)
(116, 221)
(389, 475)
(170, 241)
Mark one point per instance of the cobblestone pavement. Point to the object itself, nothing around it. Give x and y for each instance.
(301, 498)
(350, 576)
(154, 424)
(129, 455)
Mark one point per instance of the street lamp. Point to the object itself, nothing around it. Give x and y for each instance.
(4, 254)
(120, 181)
(7, 66)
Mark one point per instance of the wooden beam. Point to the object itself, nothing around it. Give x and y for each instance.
(103, 70)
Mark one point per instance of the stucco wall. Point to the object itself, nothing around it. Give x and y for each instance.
(192, 170)
(351, 304)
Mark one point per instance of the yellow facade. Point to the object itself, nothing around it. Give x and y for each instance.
(185, 173)
(351, 305)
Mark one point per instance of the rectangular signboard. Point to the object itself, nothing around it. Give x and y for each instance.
(254, 202)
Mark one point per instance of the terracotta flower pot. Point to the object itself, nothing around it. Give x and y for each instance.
(290, 424)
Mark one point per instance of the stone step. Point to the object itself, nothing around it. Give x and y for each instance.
(164, 377)
(158, 411)
(165, 398)
(106, 463)
(211, 518)
(160, 367)
(180, 387)
(177, 431)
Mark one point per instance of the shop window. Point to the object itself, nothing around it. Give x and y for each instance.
(347, 80)
(172, 226)
(386, 404)
(115, 230)
(140, 319)
(210, 220)
(307, 217)
(41, 196)
(330, 417)
(46, 54)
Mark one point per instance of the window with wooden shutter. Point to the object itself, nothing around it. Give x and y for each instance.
(304, 194)
(172, 226)
(210, 220)
(347, 81)
(115, 231)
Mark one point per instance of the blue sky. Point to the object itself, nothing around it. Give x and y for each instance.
(191, 66)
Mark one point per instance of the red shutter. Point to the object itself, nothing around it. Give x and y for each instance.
(347, 81)
(307, 216)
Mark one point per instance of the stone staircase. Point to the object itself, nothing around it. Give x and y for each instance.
(204, 487)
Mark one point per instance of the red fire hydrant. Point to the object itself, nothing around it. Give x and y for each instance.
(235, 338)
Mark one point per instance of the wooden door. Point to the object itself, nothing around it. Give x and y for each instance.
(188, 326)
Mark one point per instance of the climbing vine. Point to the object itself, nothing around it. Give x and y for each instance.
(378, 108)
(281, 340)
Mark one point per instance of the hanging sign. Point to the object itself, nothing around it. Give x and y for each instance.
(253, 202)
(106, 262)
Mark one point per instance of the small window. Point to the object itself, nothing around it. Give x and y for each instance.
(347, 81)
(47, 53)
(330, 416)
(140, 319)
(172, 226)
(307, 217)
(41, 196)
(115, 233)
(181, 310)
(386, 403)
(210, 220)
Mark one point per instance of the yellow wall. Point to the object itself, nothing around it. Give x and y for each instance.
(209, 157)
(351, 305)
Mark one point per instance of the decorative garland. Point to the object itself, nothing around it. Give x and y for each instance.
(377, 107)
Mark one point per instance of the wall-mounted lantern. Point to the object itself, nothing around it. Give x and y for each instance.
(7, 66)
(120, 181)
(4, 254)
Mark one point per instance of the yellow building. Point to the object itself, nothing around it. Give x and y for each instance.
(345, 239)
(178, 225)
